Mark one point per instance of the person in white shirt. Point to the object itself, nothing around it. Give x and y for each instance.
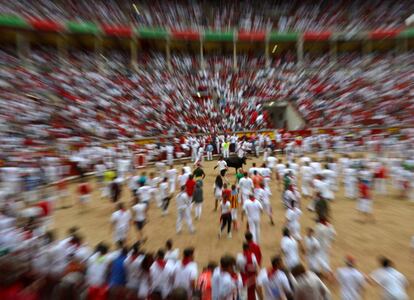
(182, 179)
(330, 176)
(312, 250)
(325, 234)
(253, 209)
(139, 211)
(316, 166)
(392, 282)
(307, 285)
(164, 195)
(253, 169)
(170, 154)
(272, 283)
(307, 176)
(194, 150)
(223, 285)
(183, 202)
(133, 184)
(293, 214)
(132, 266)
(162, 272)
(185, 272)
(290, 249)
(120, 220)
(263, 195)
(222, 165)
(350, 182)
(97, 266)
(271, 163)
(187, 169)
(351, 280)
(245, 187)
(225, 211)
(144, 193)
(280, 172)
(171, 174)
(171, 254)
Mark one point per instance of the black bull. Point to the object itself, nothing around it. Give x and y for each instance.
(235, 162)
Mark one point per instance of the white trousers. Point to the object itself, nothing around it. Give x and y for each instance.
(172, 186)
(306, 187)
(254, 227)
(198, 207)
(226, 153)
(350, 190)
(170, 157)
(184, 214)
(193, 154)
(209, 155)
(381, 186)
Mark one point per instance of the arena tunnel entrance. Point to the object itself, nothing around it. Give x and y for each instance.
(284, 115)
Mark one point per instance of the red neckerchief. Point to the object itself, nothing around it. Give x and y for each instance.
(161, 263)
(233, 275)
(324, 222)
(271, 271)
(186, 261)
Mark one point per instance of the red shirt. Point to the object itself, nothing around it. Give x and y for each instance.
(255, 249)
(84, 189)
(190, 187)
(226, 194)
(364, 190)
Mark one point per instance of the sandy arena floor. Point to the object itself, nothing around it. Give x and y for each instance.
(389, 236)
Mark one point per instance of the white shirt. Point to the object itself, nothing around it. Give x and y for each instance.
(96, 271)
(293, 215)
(265, 172)
(121, 219)
(323, 188)
(312, 248)
(164, 190)
(307, 172)
(187, 169)
(182, 179)
(183, 275)
(325, 234)
(132, 268)
(316, 166)
(271, 162)
(246, 185)
(392, 282)
(133, 182)
(171, 175)
(139, 210)
(280, 168)
(225, 207)
(161, 278)
(222, 165)
(144, 193)
(182, 200)
(274, 286)
(290, 251)
(253, 209)
(351, 282)
(223, 286)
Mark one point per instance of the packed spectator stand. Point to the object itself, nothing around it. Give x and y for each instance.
(245, 15)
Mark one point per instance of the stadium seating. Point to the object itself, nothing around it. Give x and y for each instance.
(293, 15)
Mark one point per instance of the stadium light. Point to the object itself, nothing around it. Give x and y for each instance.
(274, 49)
(136, 8)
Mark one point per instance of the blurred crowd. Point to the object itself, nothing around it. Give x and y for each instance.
(296, 15)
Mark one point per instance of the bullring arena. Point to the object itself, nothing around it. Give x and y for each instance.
(389, 236)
